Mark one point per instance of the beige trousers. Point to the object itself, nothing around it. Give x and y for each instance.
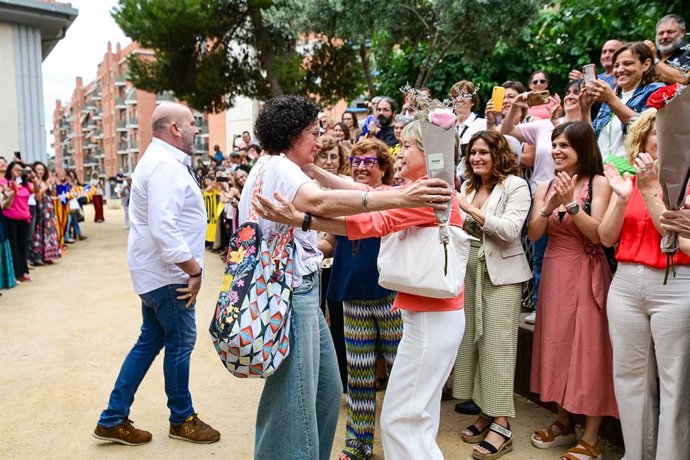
(649, 324)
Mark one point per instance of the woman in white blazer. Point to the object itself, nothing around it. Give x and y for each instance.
(494, 203)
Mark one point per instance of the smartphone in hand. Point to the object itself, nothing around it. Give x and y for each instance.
(497, 96)
(590, 73)
(537, 98)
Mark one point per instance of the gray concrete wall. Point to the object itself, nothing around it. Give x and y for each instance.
(29, 93)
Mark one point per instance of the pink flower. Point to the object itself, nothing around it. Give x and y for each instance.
(444, 118)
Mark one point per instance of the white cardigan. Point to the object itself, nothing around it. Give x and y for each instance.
(505, 213)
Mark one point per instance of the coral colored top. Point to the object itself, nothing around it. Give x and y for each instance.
(639, 240)
(382, 223)
(19, 210)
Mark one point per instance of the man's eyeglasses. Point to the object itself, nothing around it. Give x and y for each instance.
(368, 162)
(538, 82)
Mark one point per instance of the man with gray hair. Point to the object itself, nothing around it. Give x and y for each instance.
(673, 61)
(165, 252)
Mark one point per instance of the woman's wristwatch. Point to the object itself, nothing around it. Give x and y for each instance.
(572, 208)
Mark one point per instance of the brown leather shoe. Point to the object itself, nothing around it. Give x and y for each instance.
(194, 430)
(82, 237)
(124, 433)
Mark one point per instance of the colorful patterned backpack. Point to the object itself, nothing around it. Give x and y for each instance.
(251, 324)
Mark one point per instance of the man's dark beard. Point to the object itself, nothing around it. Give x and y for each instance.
(383, 121)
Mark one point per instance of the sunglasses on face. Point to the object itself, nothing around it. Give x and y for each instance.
(538, 82)
(368, 162)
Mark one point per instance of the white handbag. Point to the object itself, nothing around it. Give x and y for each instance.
(416, 261)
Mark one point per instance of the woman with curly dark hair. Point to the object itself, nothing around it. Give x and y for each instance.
(299, 406)
(494, 203)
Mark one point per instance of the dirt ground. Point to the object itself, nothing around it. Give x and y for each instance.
(66, 334)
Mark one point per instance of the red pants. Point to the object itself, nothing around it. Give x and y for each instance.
(98, 207)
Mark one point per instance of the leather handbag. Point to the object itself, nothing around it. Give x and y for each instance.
(251, 324)
(425, 261)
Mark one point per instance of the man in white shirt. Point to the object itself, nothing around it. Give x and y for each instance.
(165, 253)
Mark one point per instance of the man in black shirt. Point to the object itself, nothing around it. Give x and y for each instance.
(382, 128)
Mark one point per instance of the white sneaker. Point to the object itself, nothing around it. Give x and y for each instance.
(531, 318)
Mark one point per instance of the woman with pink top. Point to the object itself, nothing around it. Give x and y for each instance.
(21, 181)
(432, 327)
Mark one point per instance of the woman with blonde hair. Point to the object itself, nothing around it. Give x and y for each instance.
(433, 327)
(649, 320)
(300, 402)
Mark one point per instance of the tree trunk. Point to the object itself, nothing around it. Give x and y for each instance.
(422, 73)
(439, 58)
(367, 72)
(264, 50)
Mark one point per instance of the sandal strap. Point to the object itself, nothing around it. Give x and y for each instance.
(488, 446)
(591, 450)
(548, 435)
(586, 449)
(565, 430)
(474, 430)
(503, 431)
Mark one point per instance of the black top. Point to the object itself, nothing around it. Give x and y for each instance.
(386, 135)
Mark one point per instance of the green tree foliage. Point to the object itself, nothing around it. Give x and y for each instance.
(210, 51)
(379, 28)
(564, 35)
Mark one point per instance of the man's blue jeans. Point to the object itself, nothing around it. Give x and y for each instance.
(166, 323)
(299, 406)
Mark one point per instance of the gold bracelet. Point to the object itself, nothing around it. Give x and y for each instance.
(365, 208)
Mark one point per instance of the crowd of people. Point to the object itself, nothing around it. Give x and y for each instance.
(562, 199)
(40, 211)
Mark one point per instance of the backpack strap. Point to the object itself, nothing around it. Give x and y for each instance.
(587, 205)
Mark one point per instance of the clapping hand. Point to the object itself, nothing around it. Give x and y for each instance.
(565, 187)
(647, 173)
(621, 185)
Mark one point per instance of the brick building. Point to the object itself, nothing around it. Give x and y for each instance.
(100, 129)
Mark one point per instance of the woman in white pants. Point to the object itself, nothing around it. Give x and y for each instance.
(432, 328)
(649, 322)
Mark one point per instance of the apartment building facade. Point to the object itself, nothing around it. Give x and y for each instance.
(106, 126)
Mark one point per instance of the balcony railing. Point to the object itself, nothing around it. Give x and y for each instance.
(122, 147)
(204, 129)
(201, 145)
(120, 103)
(119, 80)
(133, 122)
(120, 125)
(165, 97)
(133, 146)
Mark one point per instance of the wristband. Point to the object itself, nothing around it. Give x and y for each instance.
(201, 270)
(365, 208)
(542, 213)
(306, 223)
